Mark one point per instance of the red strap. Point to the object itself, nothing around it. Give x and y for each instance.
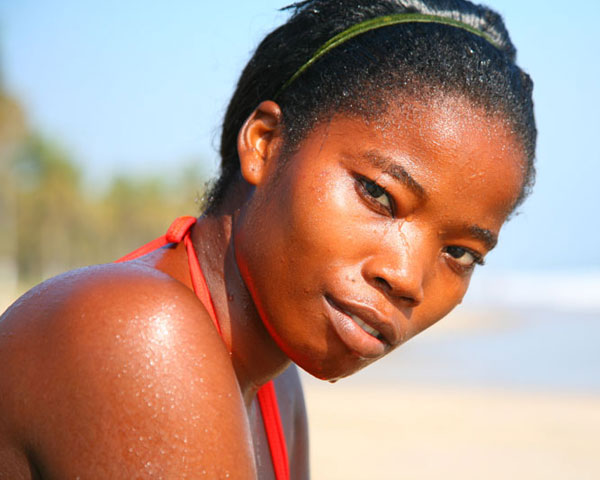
(144, 249)
(267, 398)
(178, 229)
(199, 282)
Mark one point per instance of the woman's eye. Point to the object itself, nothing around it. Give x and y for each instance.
(377, 193)
(464, 257)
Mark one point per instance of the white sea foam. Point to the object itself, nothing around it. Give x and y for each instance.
(564, 291)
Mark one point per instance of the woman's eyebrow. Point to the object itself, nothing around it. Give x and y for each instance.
(489, 238)
(395, 170)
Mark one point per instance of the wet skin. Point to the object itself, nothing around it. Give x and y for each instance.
(384, 220)
(116, 371)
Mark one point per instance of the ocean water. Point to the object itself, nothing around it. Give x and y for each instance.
(526, 349)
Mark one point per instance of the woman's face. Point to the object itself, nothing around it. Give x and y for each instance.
(370, 232)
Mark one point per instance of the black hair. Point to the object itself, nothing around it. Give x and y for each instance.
(359, 75)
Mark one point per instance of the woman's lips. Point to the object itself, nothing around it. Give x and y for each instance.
(353, 328)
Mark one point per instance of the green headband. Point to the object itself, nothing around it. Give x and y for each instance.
(379, 22)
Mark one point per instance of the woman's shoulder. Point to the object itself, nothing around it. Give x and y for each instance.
(108, 303)
(121, 362)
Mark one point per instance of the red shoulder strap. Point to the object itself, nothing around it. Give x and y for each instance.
(274, 430)
(180, 231)
(144, 249)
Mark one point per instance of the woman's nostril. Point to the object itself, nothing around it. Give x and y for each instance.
(383, 283)
(390, 290)
(410, 301)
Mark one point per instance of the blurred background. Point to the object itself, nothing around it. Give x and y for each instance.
(109, 125)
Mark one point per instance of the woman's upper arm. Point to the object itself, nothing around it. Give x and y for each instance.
(121, 376)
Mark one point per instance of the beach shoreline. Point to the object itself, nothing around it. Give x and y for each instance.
(419, 432)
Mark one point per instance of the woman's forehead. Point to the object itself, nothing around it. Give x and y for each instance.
(445, 143)
(439, 122)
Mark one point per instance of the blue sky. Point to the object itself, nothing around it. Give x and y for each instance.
(142, 86)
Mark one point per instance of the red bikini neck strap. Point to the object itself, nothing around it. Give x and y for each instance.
(180, 230)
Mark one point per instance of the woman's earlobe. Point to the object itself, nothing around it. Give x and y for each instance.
(258, 141)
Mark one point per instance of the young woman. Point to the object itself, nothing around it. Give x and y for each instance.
(370, 155)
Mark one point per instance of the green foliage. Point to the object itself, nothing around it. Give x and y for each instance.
(51, 222)
(135, 210)
(47, 207)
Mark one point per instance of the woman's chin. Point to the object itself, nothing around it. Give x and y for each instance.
(331, 371)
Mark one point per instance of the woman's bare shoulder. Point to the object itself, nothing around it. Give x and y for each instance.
(122, 363)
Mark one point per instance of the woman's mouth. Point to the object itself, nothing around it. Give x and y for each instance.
(353, 330)
(367, 328)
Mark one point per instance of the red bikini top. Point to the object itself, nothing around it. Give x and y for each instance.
(179, 231)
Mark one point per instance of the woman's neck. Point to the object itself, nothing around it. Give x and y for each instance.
(255, 356)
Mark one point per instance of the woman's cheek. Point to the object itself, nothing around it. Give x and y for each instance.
(324, 210)
(445, 291)
(317, 209)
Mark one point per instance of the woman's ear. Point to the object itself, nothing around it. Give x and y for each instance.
(258, 141)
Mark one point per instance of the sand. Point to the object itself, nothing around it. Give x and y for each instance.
(394, 432)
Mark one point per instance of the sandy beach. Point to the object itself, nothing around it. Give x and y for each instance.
(401, 432)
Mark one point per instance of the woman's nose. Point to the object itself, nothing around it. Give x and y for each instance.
(398, 270)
